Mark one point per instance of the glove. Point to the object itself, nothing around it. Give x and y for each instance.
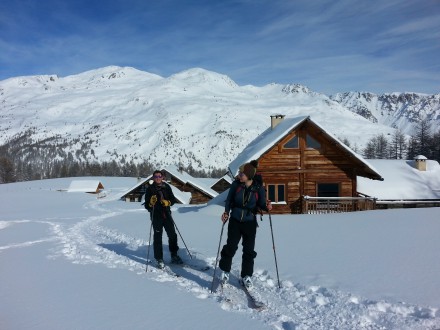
(153, 200)
(165, 202)
(225, 217)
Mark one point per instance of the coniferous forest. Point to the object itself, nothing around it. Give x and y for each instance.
(22, 159)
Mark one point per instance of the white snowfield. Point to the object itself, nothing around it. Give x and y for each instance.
(75, 261)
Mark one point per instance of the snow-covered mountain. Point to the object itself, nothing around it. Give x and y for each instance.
(398, 110)
(194, 117)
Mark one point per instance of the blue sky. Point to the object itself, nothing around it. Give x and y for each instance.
(330, 46)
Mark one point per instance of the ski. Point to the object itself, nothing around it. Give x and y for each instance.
(224, 297)
(256, 302)
(198, 268)
(190, 266)
(165, 269)
(169, 271)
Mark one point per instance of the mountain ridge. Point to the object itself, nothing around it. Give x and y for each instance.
(195, 117)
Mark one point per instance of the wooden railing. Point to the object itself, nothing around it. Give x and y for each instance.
(407, 203)
(319, 205)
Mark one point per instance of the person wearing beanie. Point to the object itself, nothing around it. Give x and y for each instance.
(245, 198)
(159, 198)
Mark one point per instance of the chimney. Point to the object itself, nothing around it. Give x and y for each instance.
(275, 120)
(420, 162)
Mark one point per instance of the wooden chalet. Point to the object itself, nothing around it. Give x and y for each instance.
(87, 186)
(200, 193)
(187, 189)
(136, 193)
(222, 184)
(302, 163)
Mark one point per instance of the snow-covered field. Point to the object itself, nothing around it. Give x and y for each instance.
(75, 261)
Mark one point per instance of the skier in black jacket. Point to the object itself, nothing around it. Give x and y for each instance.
(158, 199)
(244, 199)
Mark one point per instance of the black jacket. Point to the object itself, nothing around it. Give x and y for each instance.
(162, 192)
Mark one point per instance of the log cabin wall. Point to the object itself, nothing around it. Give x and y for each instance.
(309, 160)
(221, 186)
(197, 196)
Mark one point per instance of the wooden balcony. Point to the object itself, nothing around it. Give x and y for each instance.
(322, 205)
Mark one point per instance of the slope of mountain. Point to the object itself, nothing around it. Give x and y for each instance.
(195, 117)
(398, 110)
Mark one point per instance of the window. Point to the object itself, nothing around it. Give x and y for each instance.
(276, 192)
(328, 189)
(312, 143)
(292, 143)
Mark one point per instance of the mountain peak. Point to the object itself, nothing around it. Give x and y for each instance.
(199, 76)
(296, 89)
(115, 72)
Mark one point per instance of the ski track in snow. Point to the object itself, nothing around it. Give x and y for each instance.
(294, 306)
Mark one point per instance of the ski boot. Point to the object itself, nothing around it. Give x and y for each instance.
(224, 278)
(175, 259)
(247, 282)
(160, 264)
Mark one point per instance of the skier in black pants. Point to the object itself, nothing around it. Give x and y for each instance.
(244, 199)
(158, 199)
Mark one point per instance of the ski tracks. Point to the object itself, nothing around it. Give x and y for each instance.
(294, 306)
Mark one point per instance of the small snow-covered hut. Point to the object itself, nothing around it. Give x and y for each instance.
(87, 186)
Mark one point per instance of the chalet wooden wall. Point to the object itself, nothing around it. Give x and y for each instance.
(197, 197)
(301, 169)
(221, 186)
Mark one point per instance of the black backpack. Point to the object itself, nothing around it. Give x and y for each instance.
(256, 185)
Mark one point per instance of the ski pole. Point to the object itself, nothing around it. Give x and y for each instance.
(149, 240)
(274, 251)
(216, 259)
(181, 237)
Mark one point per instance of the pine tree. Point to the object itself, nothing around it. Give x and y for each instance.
(413, 148)
(423, 136)
(435, 146)
(7, 171)
(398, 145)
(381, 147)
(370, 150)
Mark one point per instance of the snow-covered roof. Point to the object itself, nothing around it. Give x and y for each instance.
(265, 141)
(140, 182)
(402, 180)
(208, 182)
(226, 177)
(88, 186)
(182, 197)
(187, 178)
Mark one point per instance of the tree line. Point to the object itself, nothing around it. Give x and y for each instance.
(425, 141)
(22, 159)
(20, 171)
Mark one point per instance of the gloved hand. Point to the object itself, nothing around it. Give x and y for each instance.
(165, 202)
(225, 217)
(153, 200)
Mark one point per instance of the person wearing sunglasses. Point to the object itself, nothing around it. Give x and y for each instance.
(245, 199)
(158, 199)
